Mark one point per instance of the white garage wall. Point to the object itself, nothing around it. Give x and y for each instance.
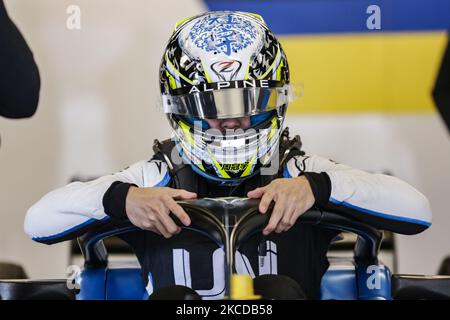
(97, 114)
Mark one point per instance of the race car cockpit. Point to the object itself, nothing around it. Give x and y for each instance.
(229, 222)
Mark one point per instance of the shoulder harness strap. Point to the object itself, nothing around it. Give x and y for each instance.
(289, 148)
(182, 175)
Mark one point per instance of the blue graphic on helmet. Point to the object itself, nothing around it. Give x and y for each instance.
(227, 33)
(194, 120)
(260, 118)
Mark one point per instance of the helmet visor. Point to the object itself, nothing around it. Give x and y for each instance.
(227, 103)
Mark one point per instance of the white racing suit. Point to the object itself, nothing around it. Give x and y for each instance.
(192, 260)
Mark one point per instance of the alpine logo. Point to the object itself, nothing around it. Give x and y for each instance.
(226, 70)
(234, 84)
(207, 87)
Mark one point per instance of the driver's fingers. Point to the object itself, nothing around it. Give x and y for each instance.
(167, 221)
(149, 226)
(256, 193)
(298, 212)
(160, 227)
(277, 214)
(153, 229)
(266, 200)
(177, 210)
(286, 221)
(182, 194)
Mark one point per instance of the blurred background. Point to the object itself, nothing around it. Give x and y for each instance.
(365, 101)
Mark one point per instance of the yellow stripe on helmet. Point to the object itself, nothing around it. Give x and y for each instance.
(172, 82)
(279, 69)
(187, 133)
(249, 166)
(222, 172)
(272, 65)
(178, 72)
(273, 128)
(257, 16)
(181, 22)
(200, 165)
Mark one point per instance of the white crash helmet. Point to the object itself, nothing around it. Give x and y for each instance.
(221, 65)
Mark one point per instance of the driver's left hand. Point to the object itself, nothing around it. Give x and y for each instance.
(292, 198)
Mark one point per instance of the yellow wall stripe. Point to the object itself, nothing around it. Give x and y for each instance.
(383, 72)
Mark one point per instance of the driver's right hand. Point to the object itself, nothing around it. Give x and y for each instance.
(149, 209)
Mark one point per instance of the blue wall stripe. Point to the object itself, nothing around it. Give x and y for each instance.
(331, 16)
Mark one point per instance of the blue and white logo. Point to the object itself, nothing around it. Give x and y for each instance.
(223, 33)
